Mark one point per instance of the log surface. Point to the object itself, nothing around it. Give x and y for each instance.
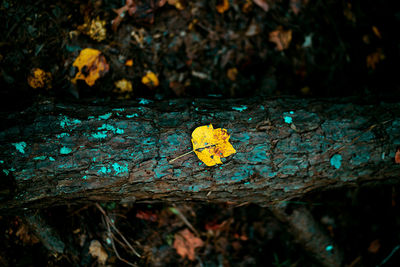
(70, 153)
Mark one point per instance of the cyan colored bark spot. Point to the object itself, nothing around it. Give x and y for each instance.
(20, 147)
(329, 248)
(65, 150)
(111, 128)
(105, 116)
(240, 109)
(336, 161)
(132, 115)
(144, 101)
(84, 177)
(104, 170)
(100, 135)
(65, 121)
(288, 119)
(118, 109)
(40, 158)
(62, 135)
(51, 159)
(1, 161)
(120, 169)
(6, 172)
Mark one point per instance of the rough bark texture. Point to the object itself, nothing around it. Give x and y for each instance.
(63, 153)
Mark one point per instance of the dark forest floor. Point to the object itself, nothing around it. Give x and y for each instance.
(301, 48)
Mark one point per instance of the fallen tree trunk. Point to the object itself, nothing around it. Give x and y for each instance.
(56, 154)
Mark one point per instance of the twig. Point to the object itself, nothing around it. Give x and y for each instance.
(111, 235)
(117, 231)
(389, 256)
(183, 218)
(172, 160)
(198, 149)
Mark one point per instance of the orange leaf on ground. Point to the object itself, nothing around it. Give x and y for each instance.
(210, 145)
(185, 243)
(281, 38)
(39, 79)
(374, 58)
(374, 246)
(223, 6)
(129, 63)
(397, 156)
(91, 65)
(146, 215)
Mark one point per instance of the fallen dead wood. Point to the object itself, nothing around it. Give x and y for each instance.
(54, 154)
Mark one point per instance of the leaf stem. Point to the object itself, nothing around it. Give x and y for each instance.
(172, 160)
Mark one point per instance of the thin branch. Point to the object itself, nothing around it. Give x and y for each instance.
(117, 231)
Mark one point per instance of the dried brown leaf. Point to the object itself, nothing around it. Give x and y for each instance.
(185, 243)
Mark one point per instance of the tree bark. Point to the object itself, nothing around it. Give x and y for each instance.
(55, 154)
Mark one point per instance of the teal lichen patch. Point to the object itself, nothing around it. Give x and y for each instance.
(20, 147)
(7, 172)
(360, 158)
(100, 135)
(243, 173)
(111, 128)
(65, 150)
(336, 161)
(51, 159)
(39, 158)
(118, 109)
(105, 116)
(104, 170)
(287, 118)
(258, 154)
(162, 169)
(61, 135)
(132, 115)
(120, 169)
(329, 248)
(144, 101)
(1, 161)
(67, 122)
(240, 108)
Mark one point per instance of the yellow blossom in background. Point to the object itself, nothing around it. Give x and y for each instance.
(39, 79)
(124, 86)
(150, 79)
(95, 29)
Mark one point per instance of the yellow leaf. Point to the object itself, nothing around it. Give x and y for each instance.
(150, 79)
(223, 6)
(129, 63)
(232, 73)
(91, 65)
(124, 86)
(374, 58)
(177, 3)
(210, 145)
(95, 29)
(39, 79)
